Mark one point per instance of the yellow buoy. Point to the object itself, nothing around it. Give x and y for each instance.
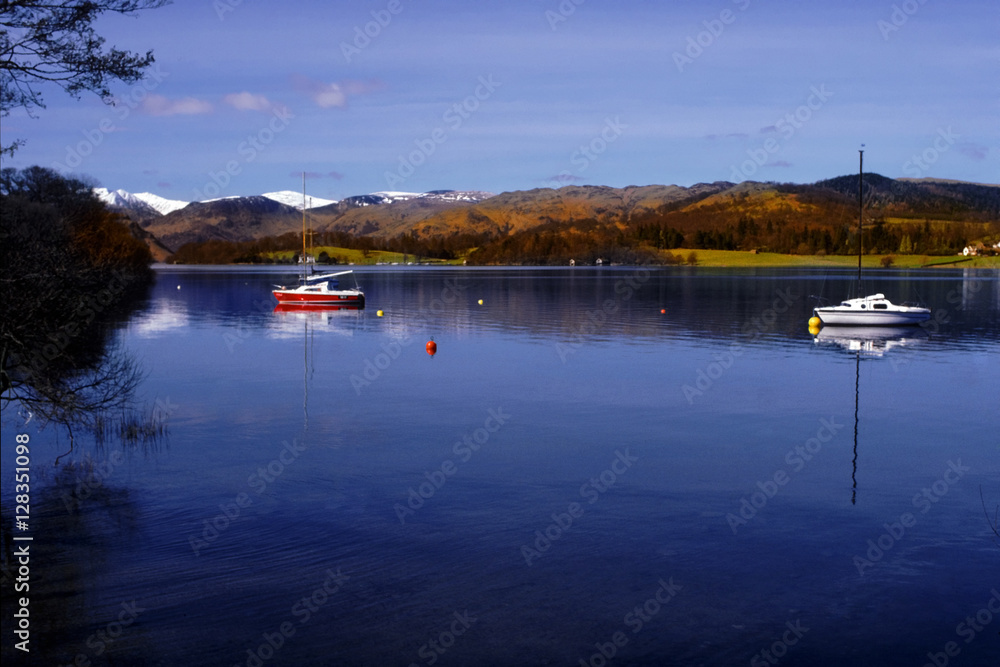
(379, 313)
(813, 331)
(480, 302)
(814, 322)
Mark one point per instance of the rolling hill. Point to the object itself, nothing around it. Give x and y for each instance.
(721, 215)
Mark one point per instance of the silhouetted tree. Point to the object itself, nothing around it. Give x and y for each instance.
(55, 42)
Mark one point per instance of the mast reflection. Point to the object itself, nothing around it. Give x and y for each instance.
(871, 343)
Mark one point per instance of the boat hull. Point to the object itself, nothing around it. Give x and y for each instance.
(871, 318)
(340, 298)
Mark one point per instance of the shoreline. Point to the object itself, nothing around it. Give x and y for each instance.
(705, 258)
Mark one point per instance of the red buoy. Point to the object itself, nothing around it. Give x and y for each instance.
(432, 347)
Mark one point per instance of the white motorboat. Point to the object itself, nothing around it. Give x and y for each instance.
(872, 311)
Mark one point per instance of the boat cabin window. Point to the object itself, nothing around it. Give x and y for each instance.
(880, 306)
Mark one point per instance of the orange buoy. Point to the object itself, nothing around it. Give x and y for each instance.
(663, 311)
(432, 347)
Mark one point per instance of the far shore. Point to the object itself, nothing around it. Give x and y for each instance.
(702, 258)
(722, 258)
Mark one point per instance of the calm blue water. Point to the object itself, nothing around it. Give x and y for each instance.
(574, 475)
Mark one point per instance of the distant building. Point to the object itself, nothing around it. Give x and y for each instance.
(974, 250)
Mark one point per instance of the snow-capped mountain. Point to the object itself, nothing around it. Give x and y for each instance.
(291, 198)
(148, 205)
(161, 204)
(139, 201)
(440, 195)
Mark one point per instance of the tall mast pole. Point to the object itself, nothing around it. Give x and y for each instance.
(304, 226)
(861, 208)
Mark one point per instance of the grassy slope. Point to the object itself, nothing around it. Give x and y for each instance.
(705, 258)
(742, 258)
(350, 256)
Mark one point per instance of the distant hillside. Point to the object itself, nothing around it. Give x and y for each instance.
(589, 221)
(910, 198)
(159, 252)
(236, 219)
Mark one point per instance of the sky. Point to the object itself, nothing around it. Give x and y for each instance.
(502, 95)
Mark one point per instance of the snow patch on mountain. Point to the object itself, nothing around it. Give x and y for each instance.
(440, 195)
(161, 204)
(140, 201)
(291, 198)
(152, 204)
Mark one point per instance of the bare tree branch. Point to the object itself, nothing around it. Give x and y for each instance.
(55, 42)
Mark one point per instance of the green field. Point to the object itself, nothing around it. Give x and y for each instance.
(352, 256)
(764, 259)
(711, 258)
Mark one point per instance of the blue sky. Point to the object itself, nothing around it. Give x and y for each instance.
(417, 95)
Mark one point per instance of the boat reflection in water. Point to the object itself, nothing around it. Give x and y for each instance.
(871, 343)
(315, 307)
(310, 315)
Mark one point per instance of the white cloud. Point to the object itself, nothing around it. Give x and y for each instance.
(158, 105)
(335, 94)
(247, 101)
(329, 95)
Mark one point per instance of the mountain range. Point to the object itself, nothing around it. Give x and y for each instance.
(702, 207)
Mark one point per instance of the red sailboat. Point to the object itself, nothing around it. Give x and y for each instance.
(318, 290)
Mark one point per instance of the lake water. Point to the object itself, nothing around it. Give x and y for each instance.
(598, 466)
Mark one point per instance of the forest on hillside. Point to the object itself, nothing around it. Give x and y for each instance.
(641, 240)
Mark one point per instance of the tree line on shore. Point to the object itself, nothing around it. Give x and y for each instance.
(68, 268)
(650, 238)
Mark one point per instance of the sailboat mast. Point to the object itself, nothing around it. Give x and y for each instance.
(304, 225)
(861, 210)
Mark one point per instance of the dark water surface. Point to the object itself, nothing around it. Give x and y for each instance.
(574, 475)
